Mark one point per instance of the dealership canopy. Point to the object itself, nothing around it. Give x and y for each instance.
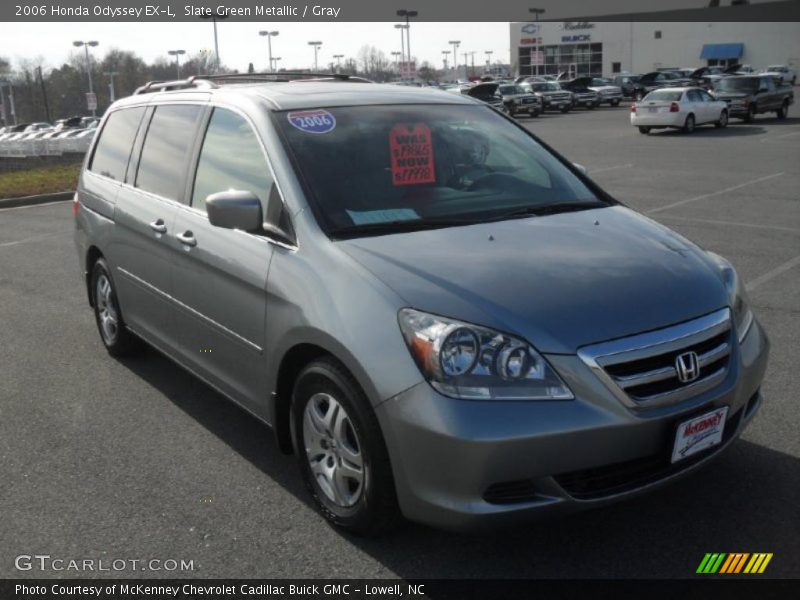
(722, 51)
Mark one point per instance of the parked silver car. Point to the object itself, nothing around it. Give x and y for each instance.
(441, 316)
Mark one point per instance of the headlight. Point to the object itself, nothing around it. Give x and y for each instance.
(737, 296)
(461, 360)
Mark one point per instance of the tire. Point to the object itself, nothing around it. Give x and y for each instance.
(116, 338)
(565, 110)
(751, 114)
(723, 120)
(783, 111)
(534, 114)
(334, 428)
(644, 130)
(591, 106)
(689, 124)
(615, 103)
(639, 96)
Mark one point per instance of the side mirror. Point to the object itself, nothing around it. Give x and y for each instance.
(580, 168)
(234, 209)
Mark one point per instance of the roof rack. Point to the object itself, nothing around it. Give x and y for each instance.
(281, 76)
(212, 81)
(176, 84)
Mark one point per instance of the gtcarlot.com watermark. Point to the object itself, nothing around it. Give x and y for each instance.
(45, 562)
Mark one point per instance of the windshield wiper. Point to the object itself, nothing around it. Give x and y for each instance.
(395, 227)
(549, 209)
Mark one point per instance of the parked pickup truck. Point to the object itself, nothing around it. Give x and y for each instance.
(750, 95)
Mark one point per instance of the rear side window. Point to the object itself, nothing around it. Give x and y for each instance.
(116, 141)
(231, 159)
(162, 166)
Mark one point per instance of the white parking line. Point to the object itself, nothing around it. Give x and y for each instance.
(712, 194)
(733, 223)
(601, 170)
(793, 262)
(32, 239)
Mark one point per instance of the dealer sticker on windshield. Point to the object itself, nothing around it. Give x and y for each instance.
(312, 121)
(699, 434)
(411, 150)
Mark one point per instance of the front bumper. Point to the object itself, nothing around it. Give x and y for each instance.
(465, 465)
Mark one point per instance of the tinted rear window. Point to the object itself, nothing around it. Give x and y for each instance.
(115, 143)
(164, 155)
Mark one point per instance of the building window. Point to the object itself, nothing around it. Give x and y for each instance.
(657, 35)
(616, 67)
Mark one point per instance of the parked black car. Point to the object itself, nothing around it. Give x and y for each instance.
(581, 94)
(627, 83)
(750, 95)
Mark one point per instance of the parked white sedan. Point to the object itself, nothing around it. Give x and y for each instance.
(679, 108)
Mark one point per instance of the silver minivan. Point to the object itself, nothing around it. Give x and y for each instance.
(442, 317)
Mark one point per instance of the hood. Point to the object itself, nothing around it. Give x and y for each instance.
(578, 83)
(482, 89)
(560, 281)
(613, 88)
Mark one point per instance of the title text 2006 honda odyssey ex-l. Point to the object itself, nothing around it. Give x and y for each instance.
(437, 313)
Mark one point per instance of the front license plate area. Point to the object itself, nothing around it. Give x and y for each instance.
(699, 433)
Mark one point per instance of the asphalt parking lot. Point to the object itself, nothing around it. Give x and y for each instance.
(136, 459)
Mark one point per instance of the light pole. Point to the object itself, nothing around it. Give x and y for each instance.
(276, 59)
(112, 96)
(269, 35)
(455, 44)
(214, 16)
(177, 55)
(488, 54)
(86, 45)
(445, 54)
(396, 55)
(338, 58)
(316, 50)
(536, 11)
(402, 44)
(408, 14)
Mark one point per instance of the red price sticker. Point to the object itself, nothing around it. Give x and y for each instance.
(412, 154)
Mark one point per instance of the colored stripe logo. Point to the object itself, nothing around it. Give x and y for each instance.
(734, 563)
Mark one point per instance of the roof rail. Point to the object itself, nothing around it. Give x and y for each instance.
(176, 84)
(281, 76)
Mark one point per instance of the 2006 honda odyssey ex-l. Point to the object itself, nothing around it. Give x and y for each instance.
(438, 314)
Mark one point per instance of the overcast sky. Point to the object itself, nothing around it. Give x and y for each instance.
(240, 44)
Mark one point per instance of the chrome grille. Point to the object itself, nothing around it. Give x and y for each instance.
(641, 370)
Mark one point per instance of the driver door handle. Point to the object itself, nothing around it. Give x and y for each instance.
(187, 238)
(158, 226)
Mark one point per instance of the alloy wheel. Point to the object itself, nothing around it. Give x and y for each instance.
(333, 450)
(109, 320)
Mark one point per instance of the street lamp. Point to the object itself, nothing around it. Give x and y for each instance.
(316, 50)
(536, 11)
(445, 54)
(214, 16)
(402, 42)
(407, 14)
(338, 58)
(396, 55)
(455, 44)
(269, 35)
(177, 55)
(276, 59)
(86, 45)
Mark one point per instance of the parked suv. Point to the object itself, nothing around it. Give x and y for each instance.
(439, 314)
(750, 95)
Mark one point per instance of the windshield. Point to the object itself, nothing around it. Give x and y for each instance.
(600, 82)
(777, 68)
(736, 85)
(511, 89)
(663, 96)
(407, 166)
(546, 87)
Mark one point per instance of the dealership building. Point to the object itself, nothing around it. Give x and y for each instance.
(606, 48)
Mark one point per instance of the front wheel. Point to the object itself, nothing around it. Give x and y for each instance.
(751, 114)
(113, 333)
(644, 130)
(342, 454)
(783, 111)
(688, 124)
(615, 103)
(565, 109)
(723, 120)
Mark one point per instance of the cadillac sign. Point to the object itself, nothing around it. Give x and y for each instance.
(570, 25)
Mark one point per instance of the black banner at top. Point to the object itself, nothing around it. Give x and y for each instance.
(384, 10)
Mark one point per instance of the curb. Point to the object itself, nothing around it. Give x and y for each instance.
(37, 199)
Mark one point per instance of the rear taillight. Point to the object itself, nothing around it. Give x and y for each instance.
(674, 107)
(76, 205)
(633, 108)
